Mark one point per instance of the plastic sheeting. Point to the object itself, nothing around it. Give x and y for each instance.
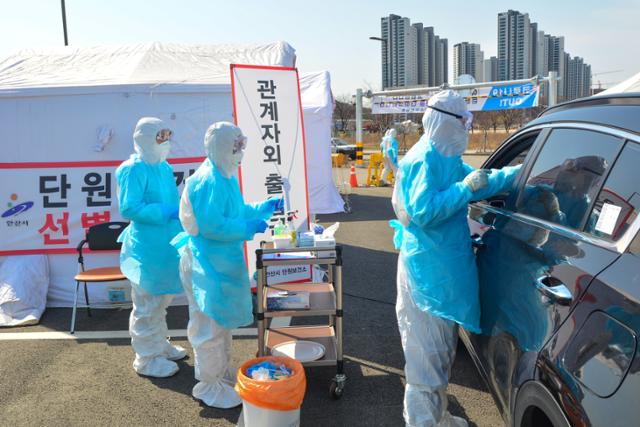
(24, 282)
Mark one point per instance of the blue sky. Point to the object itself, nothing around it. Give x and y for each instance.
(330, 35)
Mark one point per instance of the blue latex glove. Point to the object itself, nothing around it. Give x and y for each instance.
(175, 214)
(317, 229)
(255, 226)
(276, 203)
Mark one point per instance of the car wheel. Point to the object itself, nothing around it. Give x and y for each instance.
(536, 407)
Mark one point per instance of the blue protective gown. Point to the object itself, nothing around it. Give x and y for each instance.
(220, 279)
(148, 197)
(392, 151)
(436, 245)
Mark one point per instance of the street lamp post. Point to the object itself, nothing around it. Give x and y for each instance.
(64, 22)
(386, 60)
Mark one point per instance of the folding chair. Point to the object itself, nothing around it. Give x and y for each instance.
(101, 237)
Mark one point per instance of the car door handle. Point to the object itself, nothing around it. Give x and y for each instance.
(554, 289)
(476, 241)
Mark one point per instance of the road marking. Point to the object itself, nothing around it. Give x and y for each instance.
(102, 335)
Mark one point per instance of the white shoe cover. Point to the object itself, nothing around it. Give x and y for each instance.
(157, 367)
(218, 395)
(175, 352)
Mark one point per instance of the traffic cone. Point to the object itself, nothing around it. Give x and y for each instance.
(353, 179)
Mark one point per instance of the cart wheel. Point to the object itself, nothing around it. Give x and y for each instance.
(336, 390)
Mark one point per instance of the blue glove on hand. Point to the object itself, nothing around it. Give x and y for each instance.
(276, 204)
(255, 226)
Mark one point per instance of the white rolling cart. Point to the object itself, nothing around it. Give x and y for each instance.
(325, 299)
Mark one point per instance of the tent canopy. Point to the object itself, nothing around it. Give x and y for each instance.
(632, 84)
(149, 64)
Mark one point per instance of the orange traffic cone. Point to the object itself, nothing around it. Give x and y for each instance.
(353, 179)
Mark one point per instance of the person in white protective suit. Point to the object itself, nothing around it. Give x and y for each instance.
(214, 275)
(437, 277)
(389, 149)
(148, 197)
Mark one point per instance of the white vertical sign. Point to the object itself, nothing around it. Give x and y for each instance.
(268, 109)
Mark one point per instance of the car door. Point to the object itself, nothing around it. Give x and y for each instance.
(533, 261)
(593, 363)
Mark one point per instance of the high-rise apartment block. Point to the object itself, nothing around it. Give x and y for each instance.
(412, 54)
(468, 59)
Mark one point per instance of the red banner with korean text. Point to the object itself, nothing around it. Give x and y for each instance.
(47, 207)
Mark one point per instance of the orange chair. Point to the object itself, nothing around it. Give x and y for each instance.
(101, 237)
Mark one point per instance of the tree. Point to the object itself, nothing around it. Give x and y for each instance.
(343, 111)
(508, 118)
(494, 119)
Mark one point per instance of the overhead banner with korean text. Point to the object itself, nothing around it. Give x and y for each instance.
(47, 207)
(488, 98)
(267, 107)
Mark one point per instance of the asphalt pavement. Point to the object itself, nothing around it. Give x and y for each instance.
(90, 382)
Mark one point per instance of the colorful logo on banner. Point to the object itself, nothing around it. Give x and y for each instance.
(17, 209)
(480, 99)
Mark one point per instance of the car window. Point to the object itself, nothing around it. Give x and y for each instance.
(567, 175)
(619, 200)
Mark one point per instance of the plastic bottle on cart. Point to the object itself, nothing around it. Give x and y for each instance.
(280, 229)
(291, 230)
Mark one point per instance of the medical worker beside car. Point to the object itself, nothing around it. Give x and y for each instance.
(148, 197)
(212, 266)
(437, 277)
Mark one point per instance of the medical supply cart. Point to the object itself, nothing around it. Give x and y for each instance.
(325, 299)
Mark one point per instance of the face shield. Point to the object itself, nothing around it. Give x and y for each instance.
(163, 135)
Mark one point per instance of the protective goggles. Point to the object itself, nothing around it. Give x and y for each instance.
(239, 144)
(163, 135)
(466, 117)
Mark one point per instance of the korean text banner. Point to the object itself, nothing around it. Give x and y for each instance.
(479, 99)
(47, 207)
(267, 108)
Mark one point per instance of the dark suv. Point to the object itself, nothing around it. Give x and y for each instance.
(559, 267)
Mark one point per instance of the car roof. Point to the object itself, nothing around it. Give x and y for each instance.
(617, 110)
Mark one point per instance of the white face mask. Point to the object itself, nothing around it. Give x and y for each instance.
(163, 150)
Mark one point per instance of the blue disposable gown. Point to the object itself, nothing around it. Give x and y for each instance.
(436, 245)
(148, 197)
(220, 279)
(392, 151)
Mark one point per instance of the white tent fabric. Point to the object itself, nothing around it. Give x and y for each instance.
(146, 64)
(59, 105)
(24, 282)
(632, 84)
(317, 106)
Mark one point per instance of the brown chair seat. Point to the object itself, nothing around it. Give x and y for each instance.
(103, 274)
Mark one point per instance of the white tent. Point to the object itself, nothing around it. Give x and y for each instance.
(58, 105)
(632, 84)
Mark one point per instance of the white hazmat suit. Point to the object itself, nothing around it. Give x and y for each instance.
(212, 267)
(148, 197)
(437, 278)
